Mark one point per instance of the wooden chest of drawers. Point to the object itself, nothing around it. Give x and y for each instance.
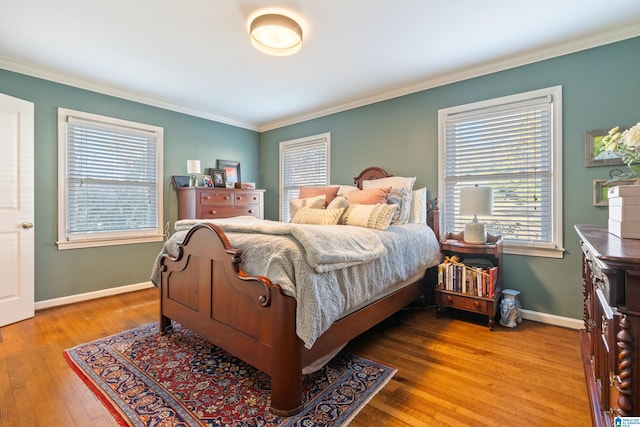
(210, 203)
(610, 338)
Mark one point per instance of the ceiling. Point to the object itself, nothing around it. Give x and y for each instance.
(194, 56)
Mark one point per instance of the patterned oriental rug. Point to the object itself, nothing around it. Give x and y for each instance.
(179, 379)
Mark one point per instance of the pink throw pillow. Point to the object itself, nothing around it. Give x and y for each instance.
(373, 196)
(328, 192)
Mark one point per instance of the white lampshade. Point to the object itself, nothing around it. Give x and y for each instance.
(276, 35)
(193, 166)
(475, 201)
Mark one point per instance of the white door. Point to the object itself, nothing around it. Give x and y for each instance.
(16, 210)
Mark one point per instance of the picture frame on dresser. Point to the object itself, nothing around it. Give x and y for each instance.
(180, 181)
(231, 168)
(207, 181)
(219, 178)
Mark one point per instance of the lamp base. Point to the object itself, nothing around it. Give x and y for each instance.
(474, 232)
(193, 181)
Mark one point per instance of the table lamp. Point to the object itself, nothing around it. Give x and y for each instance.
(193, 168)
(475, 201)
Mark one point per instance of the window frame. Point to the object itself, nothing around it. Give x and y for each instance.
(311, 141)
(554, 248)
(89, 239)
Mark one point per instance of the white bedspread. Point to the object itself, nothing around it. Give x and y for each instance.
(327, 247)
(325, 296)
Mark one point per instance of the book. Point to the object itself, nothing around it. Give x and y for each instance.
(493, 279)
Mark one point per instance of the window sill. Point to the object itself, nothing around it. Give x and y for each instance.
(79, 244)
(546, 252)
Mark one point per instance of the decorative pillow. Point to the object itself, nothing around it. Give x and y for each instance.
(370, 216)
(402, 184)
(317, 202)
(418, 211)
(338, 202)
(329, 192)
(318, 216)
(395, 198)
(369, 197)
(344, 189)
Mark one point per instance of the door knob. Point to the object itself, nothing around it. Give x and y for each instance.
(27, 225)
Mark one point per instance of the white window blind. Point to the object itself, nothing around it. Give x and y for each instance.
(112, 185)
(303, 161)
(512, 145)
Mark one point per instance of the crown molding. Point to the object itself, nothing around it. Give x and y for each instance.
(523, 58)
(535, 55)
(69, 80)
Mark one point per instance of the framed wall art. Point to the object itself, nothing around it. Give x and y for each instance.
(601, 188)
(593, 154)
(231, 168)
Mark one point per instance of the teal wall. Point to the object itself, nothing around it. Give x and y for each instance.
(76, 271)
(600, 90)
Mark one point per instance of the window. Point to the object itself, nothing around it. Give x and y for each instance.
(303, 161)
(109, 181)
(513, 145)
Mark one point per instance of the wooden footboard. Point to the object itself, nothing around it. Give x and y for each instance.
(204, 289)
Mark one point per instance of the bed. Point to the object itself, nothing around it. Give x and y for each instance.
(205, 286)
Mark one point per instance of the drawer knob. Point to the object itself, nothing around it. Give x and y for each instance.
(476, 304)
(213, 212)
(449, 299)
(250, 211)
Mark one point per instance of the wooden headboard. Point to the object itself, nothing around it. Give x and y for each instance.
(374, 172)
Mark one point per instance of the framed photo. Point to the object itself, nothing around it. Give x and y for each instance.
(232, 169)
(207, 181)
(219, 178)
(180, 180)
(593, 156)
(601, 189)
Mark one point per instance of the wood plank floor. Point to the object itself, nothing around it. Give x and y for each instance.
(451, 371)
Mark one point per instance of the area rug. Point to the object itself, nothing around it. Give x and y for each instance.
(179, 379)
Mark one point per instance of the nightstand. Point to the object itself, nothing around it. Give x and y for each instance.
(464, 290)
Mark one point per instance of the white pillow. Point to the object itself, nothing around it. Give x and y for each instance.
(310, 202)
(344, 189)
(418, 211)
(370, 216)
(398, 184)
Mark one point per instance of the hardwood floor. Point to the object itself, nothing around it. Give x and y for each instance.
(451, 372)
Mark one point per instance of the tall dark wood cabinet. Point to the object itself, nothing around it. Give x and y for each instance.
(611, 334)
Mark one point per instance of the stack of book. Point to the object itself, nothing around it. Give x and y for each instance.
(468, 279)
(624, 211)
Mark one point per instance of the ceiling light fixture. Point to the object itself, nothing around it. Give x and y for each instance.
(276, 35)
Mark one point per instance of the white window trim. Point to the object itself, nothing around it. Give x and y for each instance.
(105, 239)
(556, 249)
(300, 142)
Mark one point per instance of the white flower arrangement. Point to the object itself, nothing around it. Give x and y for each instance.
(626, 145)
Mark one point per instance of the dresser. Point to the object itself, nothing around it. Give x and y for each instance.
(209, 203)
(611, 335)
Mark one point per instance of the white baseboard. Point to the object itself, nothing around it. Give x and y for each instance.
(55, 302)
(552, 319)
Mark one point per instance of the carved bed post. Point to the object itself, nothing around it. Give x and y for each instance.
(286, 359)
